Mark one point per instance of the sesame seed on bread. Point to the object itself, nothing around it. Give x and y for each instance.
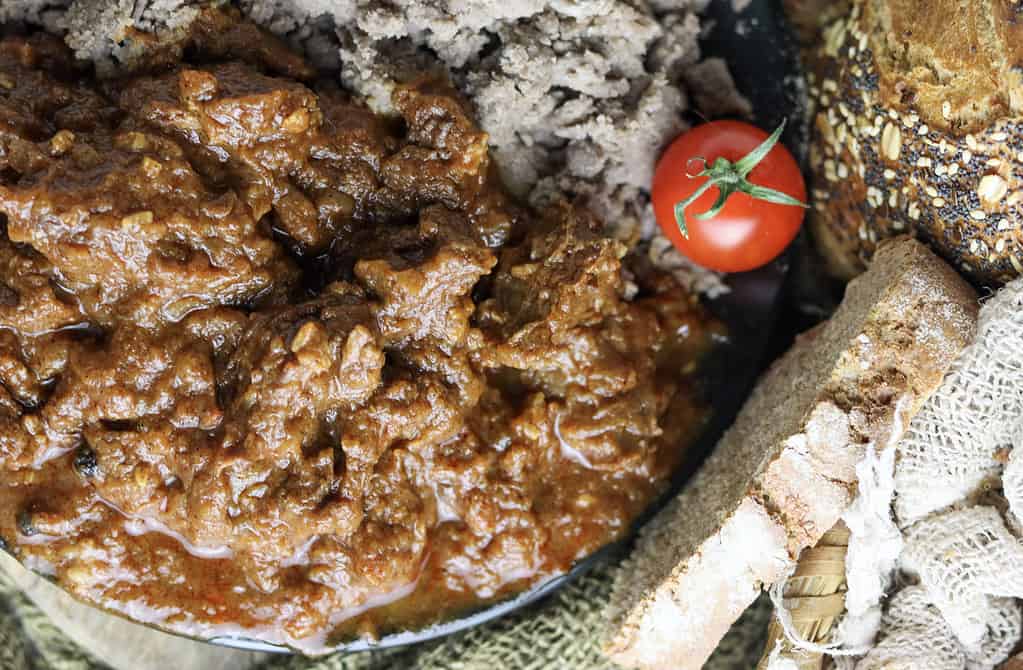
(785, 471)
(918, 128)
(808, 16)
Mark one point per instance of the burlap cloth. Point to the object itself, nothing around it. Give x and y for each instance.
(562, 632)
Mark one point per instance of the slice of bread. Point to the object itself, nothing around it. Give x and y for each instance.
(785, 471)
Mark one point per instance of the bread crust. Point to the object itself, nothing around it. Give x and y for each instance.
(917, 109)
(807, 17)
(786, 470)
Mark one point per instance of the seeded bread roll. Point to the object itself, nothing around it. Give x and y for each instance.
(786, 470)
(807, 17)
(918, 116)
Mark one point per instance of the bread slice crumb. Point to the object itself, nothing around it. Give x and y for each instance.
(785, 472)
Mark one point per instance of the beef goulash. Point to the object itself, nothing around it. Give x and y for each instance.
(273, 366)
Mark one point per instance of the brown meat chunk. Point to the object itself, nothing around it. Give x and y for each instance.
(263, 130)
(563, 277)
(135, 234)
(216, 34)
(318, 162)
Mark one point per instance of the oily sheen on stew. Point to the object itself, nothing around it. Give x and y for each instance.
(273, 366)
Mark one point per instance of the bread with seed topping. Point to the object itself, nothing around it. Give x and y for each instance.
(786, 470)
(807, 17)
(918, 128)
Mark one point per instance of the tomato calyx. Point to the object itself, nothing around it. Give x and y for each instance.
(729, 178)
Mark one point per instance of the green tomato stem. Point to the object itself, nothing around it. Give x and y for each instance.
(729, 178)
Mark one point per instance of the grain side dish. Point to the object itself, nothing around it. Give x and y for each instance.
(273, 365)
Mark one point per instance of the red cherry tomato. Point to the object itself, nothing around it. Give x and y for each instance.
(747, 232)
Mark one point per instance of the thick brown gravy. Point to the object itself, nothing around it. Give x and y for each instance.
(273, 366)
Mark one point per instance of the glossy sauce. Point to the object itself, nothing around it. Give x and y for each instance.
(273, 366)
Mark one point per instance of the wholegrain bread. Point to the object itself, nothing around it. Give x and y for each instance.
(808, 17)
(918, 128)
(785, 471)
